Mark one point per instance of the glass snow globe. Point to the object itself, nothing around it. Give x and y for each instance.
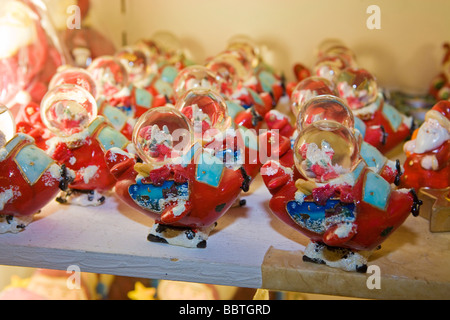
(207, 111)
(325, 107)
(357, 87)
(307, 89)
(109, 74)
(196, 76)
(162, 134)
(68, 109)
(76, 76)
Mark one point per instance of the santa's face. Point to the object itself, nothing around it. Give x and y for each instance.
(431, 135)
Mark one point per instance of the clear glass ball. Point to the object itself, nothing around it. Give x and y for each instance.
(109, 74)
(68, 109)
(246, 49)
(207, 111)
(161, 134)
(307, 89)
(76, 76)
(167, 42)
(195, 76)
(357, 87)
(328, 44)
(342, 52)
(228, 69)
(325, 107)
(329, 67)
(325, 150)
(135, 62)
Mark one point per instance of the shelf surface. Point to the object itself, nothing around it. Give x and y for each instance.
(249, 248)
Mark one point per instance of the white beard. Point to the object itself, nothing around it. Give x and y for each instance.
(431, 135)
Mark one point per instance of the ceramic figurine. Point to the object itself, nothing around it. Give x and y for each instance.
(29, 122)
(326, 189)
(29, 55)
(192, 171)
(29, 178)
(385, 126)
(427, 166)
(80, 142)
(428, 156)
(440, 86)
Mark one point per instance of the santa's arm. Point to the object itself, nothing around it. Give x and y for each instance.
(121, 164)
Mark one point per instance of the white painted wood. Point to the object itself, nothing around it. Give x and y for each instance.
(111, 239)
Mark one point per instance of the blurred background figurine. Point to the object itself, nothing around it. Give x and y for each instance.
(30, 54)
(82, 42)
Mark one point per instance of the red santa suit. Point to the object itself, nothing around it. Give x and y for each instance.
(29, 179)
(84, 153)
(428, 154)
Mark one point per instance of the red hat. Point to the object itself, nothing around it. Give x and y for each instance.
(441, 113)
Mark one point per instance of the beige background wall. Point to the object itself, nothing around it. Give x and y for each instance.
(405, 53)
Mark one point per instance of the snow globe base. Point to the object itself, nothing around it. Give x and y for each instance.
(13, 224)
(340, 258)
(82, 198)
(180, 236)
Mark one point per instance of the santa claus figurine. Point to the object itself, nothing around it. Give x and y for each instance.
(81, 140)
(325, 189)
(191, 173)
(428, 153)
(29, 178)
(30, 52)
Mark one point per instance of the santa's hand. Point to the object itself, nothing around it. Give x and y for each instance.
(176, 212)
(430, 163)
(275, 175)
(339, 234)
(120, 163)
(276, 120)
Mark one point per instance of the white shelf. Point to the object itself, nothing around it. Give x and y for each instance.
(249, 248)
